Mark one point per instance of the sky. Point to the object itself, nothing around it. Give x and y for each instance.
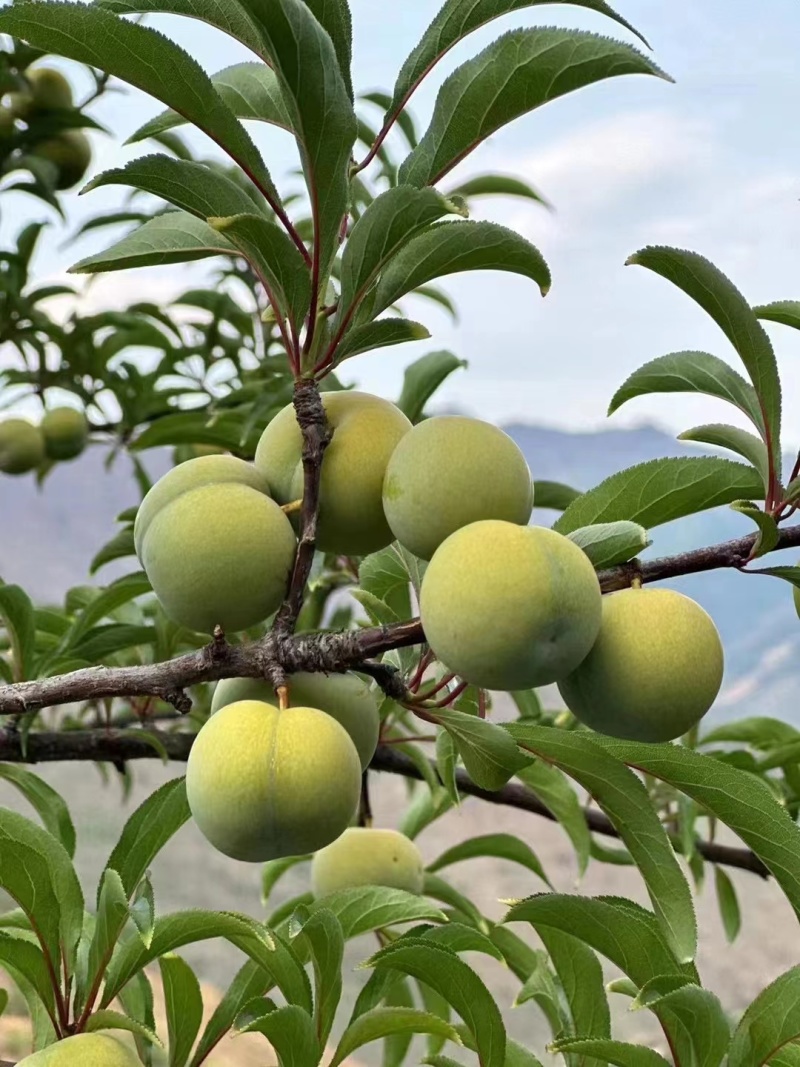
(710, 163)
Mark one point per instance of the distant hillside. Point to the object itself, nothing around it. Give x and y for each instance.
(48, 537)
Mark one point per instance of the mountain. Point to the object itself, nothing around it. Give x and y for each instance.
(49, 536)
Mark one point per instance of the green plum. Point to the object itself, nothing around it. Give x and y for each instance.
(654, 671)
(65, 432)
(70, 152)
(21, 446)
(366, 430)
(448, 472)
(510, 607)
(367, 856)
(83, 1050)
(204, 470)
(348, 698)
(264, 783)
(219, 554)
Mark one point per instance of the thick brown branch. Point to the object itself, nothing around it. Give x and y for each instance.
(117, 746)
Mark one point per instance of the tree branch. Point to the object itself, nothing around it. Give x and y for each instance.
(327, 652)
(118, 746)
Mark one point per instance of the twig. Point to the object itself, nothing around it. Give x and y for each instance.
(115, 745)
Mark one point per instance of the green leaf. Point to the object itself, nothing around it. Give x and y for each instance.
(439, 889)
(290, 1031)
(552, 788)
(437, 296)
(50, 806)
(250, 982)
(323, 935)
(455, 20)
(496, 185)
(447, 764)
(379, 334)
(119, 547)
(36, 871)
(539, 985)
(738, 799)
(626, 802)
(717, 295)
(387, 225)
(696, 1023)
(146, 832)
(183, 1002)
(396, 1046)
(735, 440)
(787, 312)
(273, 870)
(554, 495)
(768, 532)
(368, 908)
(422, 378)
(144, 58)
(194, 187)
(102, 606)
(21, 957)
(250, 90)
(760, 732)
(616, 1052)
(691, 372)
(449, 976)
(335, 18)
(175, 237)
(183, 928)
(609, 543)
(18, 619)
(581, 977)
(787, 574)
(104, 641)
(137, 1000)
(384, 575)
(517, 73)
(502, 846)
(115, 1020)
(661, 490)
(451, 247)
(274, 258)
(771, 1022)
(383, 1022)
(143, 908)
(112, 915)
(489, 754)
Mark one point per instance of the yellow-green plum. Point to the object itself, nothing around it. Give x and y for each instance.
(365, 856)
(65, 431)
(219, 554)
(366, 430)
(450, 471)
(264, 783)
(348, 698)
(49, 89)
(84, 1050)
(70, 152)
(21, 446)
(510, 607)
(204, 470)
(654, 671)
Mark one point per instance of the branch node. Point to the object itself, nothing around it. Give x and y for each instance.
(179, 699)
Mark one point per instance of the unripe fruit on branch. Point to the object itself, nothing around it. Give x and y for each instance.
(83, 1050)
(219, 554)
(510, 607)
(264, 783)
(205, 470)
(363, 856)
(448, 472)
(65, 432)
(654, 671)
(49, 90)
(21, 446)
(70, 152)
(348, 698)
(366, 430)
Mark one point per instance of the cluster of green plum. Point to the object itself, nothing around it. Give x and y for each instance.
(24, 447)
(48, 91)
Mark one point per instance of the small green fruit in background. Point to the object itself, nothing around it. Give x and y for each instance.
(363, 856)
(510, 607)
(21, 446)
(219, 554)
(348, 698)
(205, 470)
(65, 432)
(366, 430)
(264, 783)
(6, 123)
(84, 1050)
(654, 671)
(450, 471)
(70, 152)
(183, 453)
(49, 90)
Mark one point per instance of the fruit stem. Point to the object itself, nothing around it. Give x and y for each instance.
(290, 509)
(283, 697)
